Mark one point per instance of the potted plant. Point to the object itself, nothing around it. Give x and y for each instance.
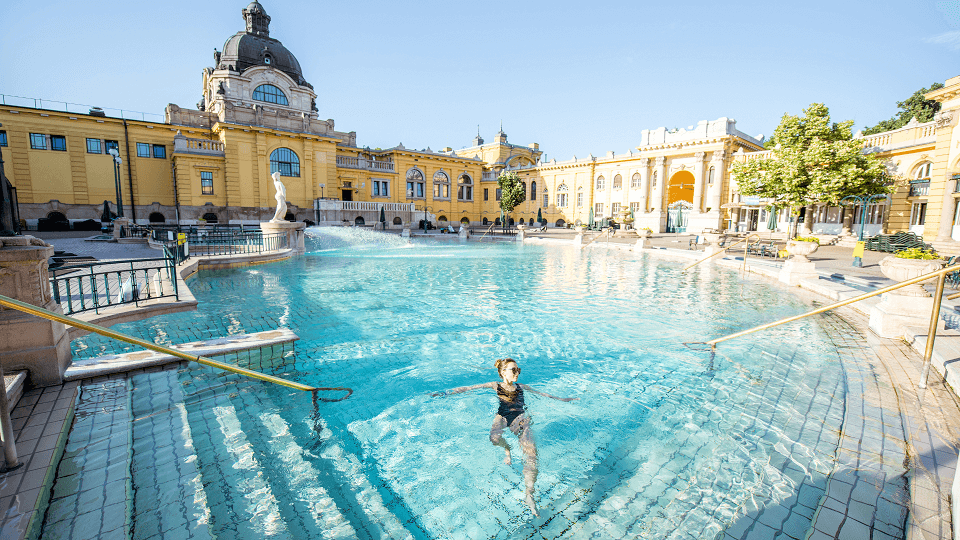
(908, 264)
(802, 246)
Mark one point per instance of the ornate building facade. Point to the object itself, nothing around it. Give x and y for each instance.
(258, 114)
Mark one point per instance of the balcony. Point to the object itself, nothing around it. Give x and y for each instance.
(352, 162)
(919, 189)
(184, 145)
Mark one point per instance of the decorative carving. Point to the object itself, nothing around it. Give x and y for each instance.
(313, 105)
(699, 156)
(661, 160)
(220, 89)
(943, 119)
(202, 104)
(719, 155)
(644, 162)
(216, 57)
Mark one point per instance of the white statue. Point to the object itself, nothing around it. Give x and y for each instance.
(281, 197)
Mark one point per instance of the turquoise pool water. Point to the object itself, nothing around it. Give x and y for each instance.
(664, 442)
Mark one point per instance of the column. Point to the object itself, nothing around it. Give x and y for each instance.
(807, 221)
(644, 184)
(660, 170)
(698, 182)
(715, 194)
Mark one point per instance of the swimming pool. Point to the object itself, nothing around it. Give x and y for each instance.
(664, 442)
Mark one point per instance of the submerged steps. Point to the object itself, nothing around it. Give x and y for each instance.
(117, 363)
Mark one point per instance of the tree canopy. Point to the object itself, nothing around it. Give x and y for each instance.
(512, 191)
(813, 160)
(915, 105)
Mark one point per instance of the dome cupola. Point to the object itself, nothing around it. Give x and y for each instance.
(254, 47)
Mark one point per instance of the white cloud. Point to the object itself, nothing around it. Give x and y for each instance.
(950, 39)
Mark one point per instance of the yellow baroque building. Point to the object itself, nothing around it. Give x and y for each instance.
(258, 115)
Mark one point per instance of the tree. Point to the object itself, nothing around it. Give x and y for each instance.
(914, 106)
(813, 161)
(511, 192)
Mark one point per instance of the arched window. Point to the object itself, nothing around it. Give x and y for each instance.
(465, 221)
(415, 184)
(600, 182)
(533, 191)
(441, 185)
(710, 175)
(465, 188)
(635, 180)
(923, 172)
(284, 161)
(546, 198)
(486, 221)
(562, 196)
(580, 197)
(617, 182)
(511, 222)
(270, 94)
(561, 223)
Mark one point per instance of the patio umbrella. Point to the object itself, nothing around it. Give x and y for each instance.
(590, 218)
(383, 219)
(107, 215)
(772, 222)
(539, 216)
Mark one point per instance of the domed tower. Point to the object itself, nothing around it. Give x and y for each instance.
(256, 81)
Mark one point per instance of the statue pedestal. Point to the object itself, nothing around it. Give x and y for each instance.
(521, 230)
(27, 342)
(796, 269)
(405, 233)
(293, 230)
(463, 234)
(896, 312)
(119, 225)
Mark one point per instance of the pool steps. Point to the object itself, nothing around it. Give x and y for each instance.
(115, 363)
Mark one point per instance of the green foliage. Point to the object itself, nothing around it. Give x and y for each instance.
(814, 160)
(917, 253)
(511, 191)
(807, 239)
(915, 105)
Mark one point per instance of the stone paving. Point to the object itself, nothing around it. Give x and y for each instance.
(866, 492)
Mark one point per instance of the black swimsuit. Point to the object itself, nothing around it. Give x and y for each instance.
(511, 403)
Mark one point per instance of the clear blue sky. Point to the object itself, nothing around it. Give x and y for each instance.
(576, 77)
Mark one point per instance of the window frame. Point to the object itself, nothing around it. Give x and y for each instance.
(99, 146)
(54, 143)
(381, 187)
(38, 141)
(600, 183)
(162, 149)
(206, 181)
(562, 196)
(598, 210)
(3, 139)
(465, 187)
(279, 98)
(617, 182)
(635, 181)
(143, 150)
(441, 185)
(291, 169)
(416, 183)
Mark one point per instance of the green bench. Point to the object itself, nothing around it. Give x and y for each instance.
(892, 243)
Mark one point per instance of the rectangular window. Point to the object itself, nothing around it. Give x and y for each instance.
(3, 138)
(918, 216)
(420, 189)
(546, 200)
(598, 209)
(38, 141)
(499, 192)
(634, 207)
(94, 146)
(159, 151)
(206, 182)
(465, 193)
(486, 194)
(58, 143)
(143, 149)
(614, 209)
(111, 145)
(579, 200)
(380, 188)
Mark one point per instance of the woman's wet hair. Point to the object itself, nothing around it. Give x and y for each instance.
(500, 363)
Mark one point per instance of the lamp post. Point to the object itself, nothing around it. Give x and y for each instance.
(863, 201)
(425, 208)
(321, 190)
(116, 173)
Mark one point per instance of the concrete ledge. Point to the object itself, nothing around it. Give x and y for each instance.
(220, 262)
(14, 383)
(116, 363)
(946, 352)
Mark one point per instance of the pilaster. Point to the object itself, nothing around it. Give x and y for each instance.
(698, 182)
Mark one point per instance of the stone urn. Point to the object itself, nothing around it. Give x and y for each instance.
(645, 233)
(624, 218)
(903, 269)
(800, 249)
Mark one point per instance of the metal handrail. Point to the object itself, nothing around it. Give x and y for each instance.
(724, 250)
(486, 233)
(941, 276)
(34, 310)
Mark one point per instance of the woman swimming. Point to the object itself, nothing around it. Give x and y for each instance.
(512, 414)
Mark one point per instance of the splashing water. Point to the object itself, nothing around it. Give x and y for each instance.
(327, 238)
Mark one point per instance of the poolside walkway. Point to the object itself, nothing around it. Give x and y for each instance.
(884, 409)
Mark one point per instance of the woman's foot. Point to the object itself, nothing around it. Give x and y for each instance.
(506, 457)
(533, 506)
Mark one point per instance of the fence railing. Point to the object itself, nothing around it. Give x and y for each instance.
(225, 243)
(94, 286)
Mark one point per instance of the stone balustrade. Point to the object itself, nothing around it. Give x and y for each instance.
(353, 162)
(185, 145)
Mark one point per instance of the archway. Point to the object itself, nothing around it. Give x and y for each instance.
(397, 221)
(680, 187)
(157, 217)
(465, 221)
(210, 217)
(359, 221)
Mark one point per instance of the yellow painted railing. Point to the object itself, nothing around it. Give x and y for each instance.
(724, 250)
(940, 275)
(70, 321)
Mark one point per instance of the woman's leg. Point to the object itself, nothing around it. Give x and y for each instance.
(496, 436)
(525, 434)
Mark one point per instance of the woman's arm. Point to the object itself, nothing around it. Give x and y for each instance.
(463, 389)
(529, 389)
